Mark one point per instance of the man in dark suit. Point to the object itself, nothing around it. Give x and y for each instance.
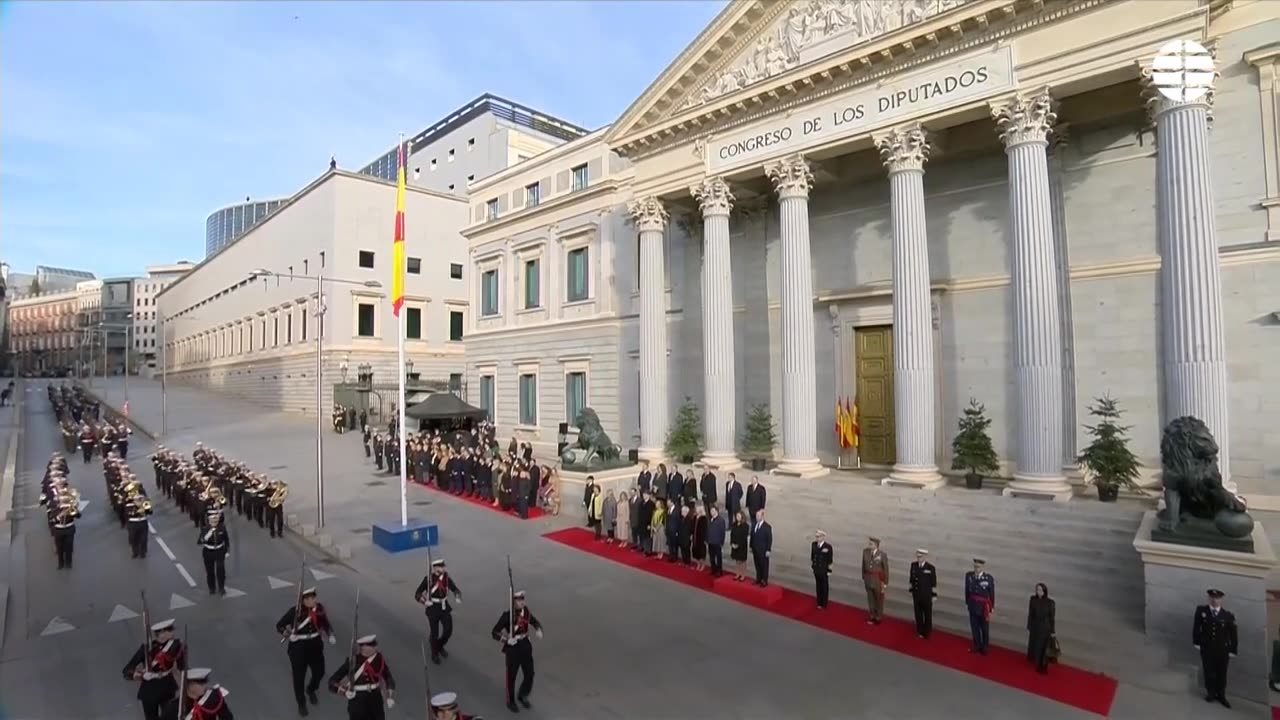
(675, 485)
(1214, 635)
(732, 497)
(761, 545)
(923, 588)
(707, 486)
(756, 497)
(821, 557)
(645, 479)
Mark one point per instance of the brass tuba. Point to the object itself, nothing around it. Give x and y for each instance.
(277, 497)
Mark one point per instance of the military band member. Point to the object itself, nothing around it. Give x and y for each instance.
(512, 630)
(367, 686)
(215, 543)
(63, 516)
(305, 628)
(153, 667)
(980, 598)
(274, 511)
(87, 442)
(123, 431)
(379, 445)
(444, 706)
(137, 509)
(365, 436)
(202, 701)
(875, 578)
(1213, 633)
(821, 556)
(434, 592)
(923, 586)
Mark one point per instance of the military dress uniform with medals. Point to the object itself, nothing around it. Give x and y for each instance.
(512, 630)
(980, 599)
(215, 543)
(364, 686)
(923, 587)
(154, 666)
(434, 592)
(1214, 634)
(821, 557)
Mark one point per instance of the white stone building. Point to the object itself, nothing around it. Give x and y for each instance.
(939, 201)
(145, 290)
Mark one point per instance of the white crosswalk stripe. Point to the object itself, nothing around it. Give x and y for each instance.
(320, 574)
(277, 583)
(57, 626)
(122, 613)
(234, 593)
(176, 602)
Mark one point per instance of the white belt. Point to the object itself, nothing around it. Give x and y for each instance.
(63, 526)
(309, 636)
(517, 639)
(439, 601)
(138, 519)
(366, 688)
(219, 546)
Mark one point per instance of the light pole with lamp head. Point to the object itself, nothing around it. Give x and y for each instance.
(320, 312)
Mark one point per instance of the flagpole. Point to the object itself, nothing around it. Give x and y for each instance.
(400, 328)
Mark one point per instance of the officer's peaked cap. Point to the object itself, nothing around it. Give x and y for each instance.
(199, 675)
(444, 701)
(308, 591)
(1216, 593)
(437, 563)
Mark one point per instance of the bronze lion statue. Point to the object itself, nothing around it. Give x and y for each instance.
(593, 442)
(1192, 482)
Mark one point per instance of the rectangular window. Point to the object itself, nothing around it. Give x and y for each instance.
(413, 324)
(491, 209)
(577, 284)
(532, 291)
(364, 320)
(288, 328)
(489, 293)
(262, 338)
(366, 259)
(414, 266)
(275, 331)
(580, 178)
(455, 383)
(532, 195)
(575, 395)
(455, 326)
(251, 338)
(455, 271)
(486, 395)
(302, 314)
(529, 399)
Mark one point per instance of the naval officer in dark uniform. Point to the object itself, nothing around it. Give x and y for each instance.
(1214, 634)
(923, 587)
(821, 557)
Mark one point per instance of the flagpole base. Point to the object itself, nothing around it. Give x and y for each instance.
(394, 537)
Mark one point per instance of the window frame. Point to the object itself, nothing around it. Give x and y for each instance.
(409, 309)
(488, 401)
(576, 367)
(462, 323)
(372, 259)
(569, 254)
(495, 273)
(413, 266)
(534, 371)
(491, 209)
(532, 195)
(358, 299)
(460, 270)
(574, 185)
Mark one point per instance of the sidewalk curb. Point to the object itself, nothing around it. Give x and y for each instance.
(8, 479)
(322, 543)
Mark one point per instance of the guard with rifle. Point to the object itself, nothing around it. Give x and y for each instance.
(365, 680)
(153, 666)
(215, 543)
(434, 592)
(512, 630)
(200, 700)
(304, 626)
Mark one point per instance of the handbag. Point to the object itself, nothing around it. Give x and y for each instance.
(1055, 649)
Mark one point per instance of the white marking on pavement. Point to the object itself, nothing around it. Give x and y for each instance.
(185, 575)
(176, 601)
(277, 583)
(165, 548)
(151, 528)
(83, 504)
(56, 626)
(122, 613)
(234, 593)
(320, 574)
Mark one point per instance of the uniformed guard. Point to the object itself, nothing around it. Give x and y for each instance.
(1214, 634)
(821, 557)
(980, 598)
(153, 666)
(512, 630)
(444, 706)
(875, 578)
(87, 442)
(923, 586)
(434, 591)
(305, 626)
(368, 686)
(275, 497)
(64, 513)
(201, 701)
(137, 509)
(215, 543)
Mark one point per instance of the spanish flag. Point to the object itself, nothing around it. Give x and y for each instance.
(851, 421)
(840, 427)
(397, 251)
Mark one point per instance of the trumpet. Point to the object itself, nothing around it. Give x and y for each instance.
(215, 497)
(277, 497)
(143, 503)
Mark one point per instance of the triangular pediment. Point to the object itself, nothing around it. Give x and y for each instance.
(752, 41)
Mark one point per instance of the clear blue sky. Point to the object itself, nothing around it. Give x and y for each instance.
(126, 124)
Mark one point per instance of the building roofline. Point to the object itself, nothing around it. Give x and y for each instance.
(538, 160)
(241, 204)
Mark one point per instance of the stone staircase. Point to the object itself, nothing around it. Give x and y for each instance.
(1083, 550)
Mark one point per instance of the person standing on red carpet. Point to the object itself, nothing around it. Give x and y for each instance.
(716, 529)
(739, 538)
(980, 598)
(875, 577)
(761, 546)
(923, 586)
(821, 556)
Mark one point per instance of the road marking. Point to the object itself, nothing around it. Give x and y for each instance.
(277, 583)
(176, 601)
(83, 504)
(56, 626)
(122, 613)
(320, 574)
(185, 575)
(151, 528)
(169, 553)
(234, 593)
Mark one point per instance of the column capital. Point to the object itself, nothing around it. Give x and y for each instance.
(713, 195)
(648, 214)
(904, 148)
(1160, 100)
(1025, 118)
(792, 176)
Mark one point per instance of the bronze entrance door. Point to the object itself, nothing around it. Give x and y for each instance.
(875, 394)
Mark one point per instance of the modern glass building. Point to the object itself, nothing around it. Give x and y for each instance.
(225, 225)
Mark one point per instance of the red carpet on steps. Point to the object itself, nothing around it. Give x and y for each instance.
(1070, 686)
(534, 512)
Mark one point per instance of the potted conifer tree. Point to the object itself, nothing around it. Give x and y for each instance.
(1108, 459)
(758, 439)
(684, 441)
(971, 450)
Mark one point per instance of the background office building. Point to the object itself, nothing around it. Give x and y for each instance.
(145, 320)
(223, 226)
(45, 279)
(42, 333)
(115, 327)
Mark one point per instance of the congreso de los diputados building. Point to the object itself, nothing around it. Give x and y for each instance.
(909, 204)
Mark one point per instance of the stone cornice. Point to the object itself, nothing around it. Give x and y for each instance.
(592, 192)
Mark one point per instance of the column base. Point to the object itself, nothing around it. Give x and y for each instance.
(806, 468)
(653, 455)
(926, 478)
(1056, 489)
(721, 461)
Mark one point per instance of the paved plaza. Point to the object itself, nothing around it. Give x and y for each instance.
(619, 644)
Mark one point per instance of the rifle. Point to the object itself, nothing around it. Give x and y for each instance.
(511, 602)
(182, 681)
(354, 662)
(297, 605)
(426, 678)
(431, 566)
(146, 633)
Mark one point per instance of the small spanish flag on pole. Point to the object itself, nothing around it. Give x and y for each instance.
(397, 303)
(855, 430)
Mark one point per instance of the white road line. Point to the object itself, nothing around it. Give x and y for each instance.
(151, 527)
(185, 575)
(165, 548)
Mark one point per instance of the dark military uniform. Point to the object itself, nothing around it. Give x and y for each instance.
(980, 599)
(1214, 633)
(434, 591)
(821, 557)
(154, 668)
(923, 586)
(512, 630)
(365, 684)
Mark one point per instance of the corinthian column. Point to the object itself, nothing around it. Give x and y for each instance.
(718, 358)
(1195, 362)
(904, 152)
(651, 221)
(792, 178)
(1024, 124)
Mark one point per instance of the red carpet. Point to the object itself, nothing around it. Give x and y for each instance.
(1070, 686)
(534, 512)
(1275, 713)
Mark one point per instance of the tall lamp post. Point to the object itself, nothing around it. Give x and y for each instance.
(320, 312)
(161, 322)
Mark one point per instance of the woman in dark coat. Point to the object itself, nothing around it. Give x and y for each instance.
(699, 538)
(1040, 628)
(739, 534)
(660, 483)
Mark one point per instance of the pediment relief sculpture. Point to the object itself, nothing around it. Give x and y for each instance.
(808, 23)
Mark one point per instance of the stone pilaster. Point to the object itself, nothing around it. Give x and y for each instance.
(792, 179)
(718, 358)
(1062, 261)
(651, 222)
(1195, 362)
(1024, 124)
(905, 152)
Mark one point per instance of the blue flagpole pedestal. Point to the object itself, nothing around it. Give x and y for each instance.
(394, 537)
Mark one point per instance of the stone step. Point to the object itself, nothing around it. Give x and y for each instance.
(869, 491)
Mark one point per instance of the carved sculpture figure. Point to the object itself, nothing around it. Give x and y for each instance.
(1198, 509)
(593, 442)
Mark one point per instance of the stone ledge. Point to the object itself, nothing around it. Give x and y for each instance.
(1256, 565)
